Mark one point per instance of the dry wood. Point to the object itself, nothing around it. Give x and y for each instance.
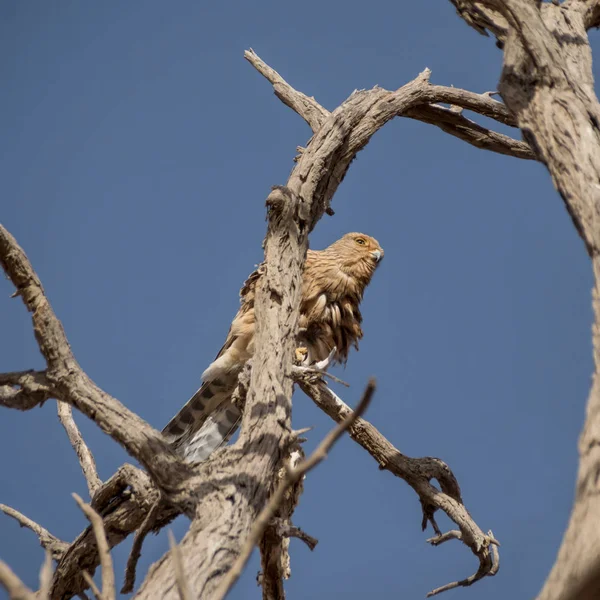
(418, 473)
(274, 545)
(547, 83)
(14, 587)
(69, 383)
(108, 574)
(47, 540)
(136, 548)
(292, 476)
(45, 577)
(86, 459)
(23, 390)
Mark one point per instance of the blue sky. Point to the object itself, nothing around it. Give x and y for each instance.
(138, 148)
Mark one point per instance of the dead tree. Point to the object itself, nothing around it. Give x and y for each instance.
(244, 495)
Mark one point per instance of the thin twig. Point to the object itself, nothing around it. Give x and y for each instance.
(182, 586)
(86, 459)
(108, 574)
(292, 476)
(46, 577)
(92, 585)
(136, 548)
(288, 530)
(47, 540)
(312, 370)
(16, 589)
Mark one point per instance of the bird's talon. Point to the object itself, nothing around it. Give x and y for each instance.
(301, 354)
(323, 364)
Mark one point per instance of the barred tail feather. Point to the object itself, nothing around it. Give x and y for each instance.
(215, 432)
(198, 408)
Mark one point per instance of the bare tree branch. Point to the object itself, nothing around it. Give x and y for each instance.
(70, 384)
(472, 578)
(86, 459)
(46, 577)
(292, 531)
(108, 574)
(459, 126)
(446, 119)
(92, 585)
(16, 589)
(308, 108)
(417, 472)
(292, 476)
(47, 540)
(24, 390)
(483, 17)
(123, 501)
(136, 548)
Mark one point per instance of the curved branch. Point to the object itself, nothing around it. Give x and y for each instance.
(446, 119)
(24, 390)
(16, 589)
(417, 472)
(71, 384)
(123, 502)
(459, 126)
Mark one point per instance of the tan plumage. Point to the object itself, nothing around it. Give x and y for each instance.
(333, 284)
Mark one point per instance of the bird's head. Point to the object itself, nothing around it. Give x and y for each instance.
(358, 255)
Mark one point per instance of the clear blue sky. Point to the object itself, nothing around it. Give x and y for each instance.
(138, 148)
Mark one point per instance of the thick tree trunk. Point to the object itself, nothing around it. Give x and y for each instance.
(548, 85)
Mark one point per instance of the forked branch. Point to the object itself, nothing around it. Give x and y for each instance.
(65, 380)
(422, 109)
(418, 473)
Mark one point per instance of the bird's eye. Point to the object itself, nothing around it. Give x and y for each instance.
(361, 241)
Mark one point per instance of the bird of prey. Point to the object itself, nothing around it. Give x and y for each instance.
(333, 283)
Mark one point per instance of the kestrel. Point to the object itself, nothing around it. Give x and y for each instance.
(333, 283)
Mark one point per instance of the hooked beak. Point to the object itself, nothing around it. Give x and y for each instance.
(376, 254)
